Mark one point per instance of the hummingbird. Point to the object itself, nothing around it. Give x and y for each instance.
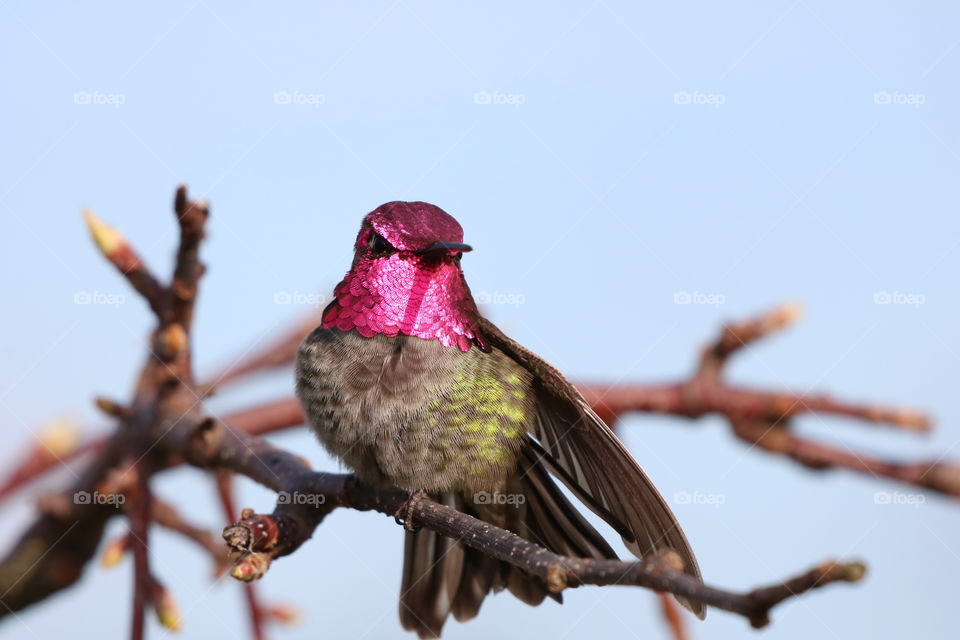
(411, 387)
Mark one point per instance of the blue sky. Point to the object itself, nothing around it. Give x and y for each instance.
(602, 157)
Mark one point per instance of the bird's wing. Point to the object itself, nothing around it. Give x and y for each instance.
(586, 455)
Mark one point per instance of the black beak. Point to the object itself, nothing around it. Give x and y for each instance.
(450, 247)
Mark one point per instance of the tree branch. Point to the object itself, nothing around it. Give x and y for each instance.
(192, 217)
(118, 251)
(255, 609)
(258, 539)
(143, 584)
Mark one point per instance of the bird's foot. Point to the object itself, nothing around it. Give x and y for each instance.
(404, 515)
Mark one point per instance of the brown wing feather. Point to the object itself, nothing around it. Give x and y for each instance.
(586, 455)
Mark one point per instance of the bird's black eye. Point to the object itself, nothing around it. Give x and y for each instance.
(379, 245)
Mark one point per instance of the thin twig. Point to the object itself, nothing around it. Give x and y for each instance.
(140, 531)
(279, 352)
(255, 609)
(118, 251)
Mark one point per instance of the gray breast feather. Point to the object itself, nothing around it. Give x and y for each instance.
(361, 394)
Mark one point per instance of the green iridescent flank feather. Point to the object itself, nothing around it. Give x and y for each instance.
(480, 414)
(494, 410)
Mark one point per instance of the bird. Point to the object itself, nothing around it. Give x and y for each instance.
(410, 387)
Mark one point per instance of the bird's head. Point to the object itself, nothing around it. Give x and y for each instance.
(411, 230)
(406, 278)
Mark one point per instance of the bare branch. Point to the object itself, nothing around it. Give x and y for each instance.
(51, 553)
(168, 613)
(269, 417)
(255, 609)
(143, 585)
(673, 616)
(942, 477)
(192, 217)
(278, 353)
(258, 539)
(169, 517)
(118, 251)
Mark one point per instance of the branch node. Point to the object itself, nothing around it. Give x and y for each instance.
(253, 532)
(663, 559)
(942, 477)
(112, 408)
(284, 613)
(250, 566)
(165, 606)
(171, 342)
(115, 248)
(203, 437)
(557, 577)
(107, 239)
(114, 551)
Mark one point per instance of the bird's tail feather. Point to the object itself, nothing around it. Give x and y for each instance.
(442, 576)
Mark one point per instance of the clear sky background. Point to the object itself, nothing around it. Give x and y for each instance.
(602, 157)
